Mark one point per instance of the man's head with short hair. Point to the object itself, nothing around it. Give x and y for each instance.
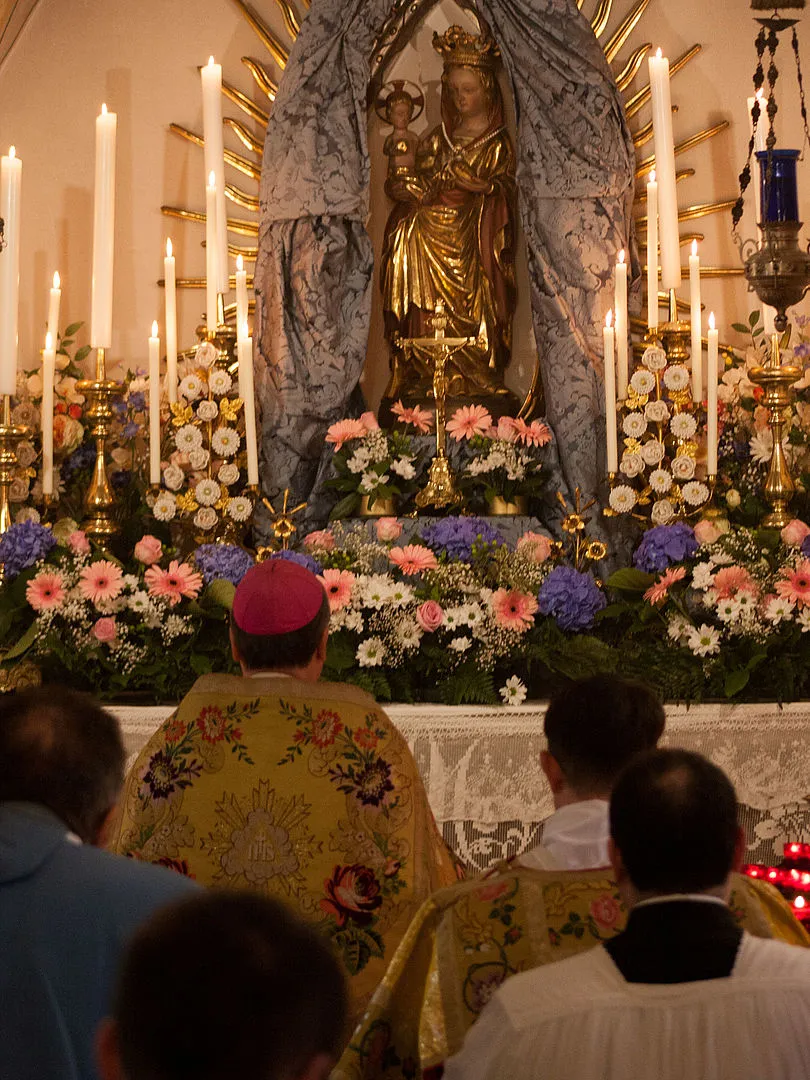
(280, 619)
(225, 986)
(60, 749)
(673, 823)
(593, 727)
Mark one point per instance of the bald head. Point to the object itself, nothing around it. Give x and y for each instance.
(60, 749)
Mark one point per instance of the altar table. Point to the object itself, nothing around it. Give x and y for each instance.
(481, 768)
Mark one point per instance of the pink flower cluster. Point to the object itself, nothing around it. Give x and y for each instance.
(413, 558)
(422, 419)
(513, 610)
(338, 587)
(344, 430)
(472, 420)
(173, 584)
(795, 584)
(657, 593)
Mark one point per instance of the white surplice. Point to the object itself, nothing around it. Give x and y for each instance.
(575, 837)
(579, 1019)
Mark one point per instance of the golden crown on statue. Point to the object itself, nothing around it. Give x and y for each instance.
(467, 50)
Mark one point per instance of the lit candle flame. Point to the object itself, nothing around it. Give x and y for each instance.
(621, 256)
(239, 263)
(103, 110)
(12, 151)
(658, 54)
(57, 281)
(168, 247)
(711, 321)
(609, 319)
(652, 176)
(154, 328)
(212, 179)
(694, 247)
(210, 61)
(48, 342)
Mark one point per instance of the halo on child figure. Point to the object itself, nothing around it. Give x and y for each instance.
(400, 88)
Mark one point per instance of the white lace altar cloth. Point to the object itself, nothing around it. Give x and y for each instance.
(481, 768)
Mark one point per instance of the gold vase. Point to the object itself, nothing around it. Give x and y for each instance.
(380, 508)
(499, 507)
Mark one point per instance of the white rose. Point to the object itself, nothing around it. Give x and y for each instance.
(654, 358)
(206, 354)
(205, 518)
(662, 512)
(656, 411)
(631, 465)
(198, 459)
(173, 477)
(208, 410)
(228, 473)
(683, 467)
(732, 499)
(652, 451)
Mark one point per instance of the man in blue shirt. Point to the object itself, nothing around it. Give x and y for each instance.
(67, 908)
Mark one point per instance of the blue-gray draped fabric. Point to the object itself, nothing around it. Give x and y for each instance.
(315, 272)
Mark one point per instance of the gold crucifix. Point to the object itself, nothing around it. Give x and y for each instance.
(281, 522)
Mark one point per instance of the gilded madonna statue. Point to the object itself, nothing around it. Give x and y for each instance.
(449, 237)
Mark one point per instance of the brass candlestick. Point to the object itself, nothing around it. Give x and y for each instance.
(99, 500)
(777, 379)
(10, 435)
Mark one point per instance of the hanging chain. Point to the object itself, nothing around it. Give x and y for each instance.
(756, 113)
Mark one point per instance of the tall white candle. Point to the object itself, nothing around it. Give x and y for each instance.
(10, 191)
(610, 397)
(211, 76)
(711, 399)
(696, 324)
(154, 406)
(620, 308)
(170, 289)
(103, 231)
(53, 309)
(46, 415)
(665, 172)
(244, 352)
(652, 252)
(211, 277)
(241, 298)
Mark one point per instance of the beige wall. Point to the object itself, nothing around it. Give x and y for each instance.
(141, 59)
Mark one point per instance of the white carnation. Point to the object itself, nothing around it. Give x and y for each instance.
(225, 441)
(683, 425)
(634, 425)
(622, 499)
(164, 507)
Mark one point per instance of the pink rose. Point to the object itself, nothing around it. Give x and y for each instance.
(489, 893)
(78, 542)
(321, 538)
(369, 421)
(794, 533)
(388, 528)
(104, 630)
(534, 546)
(706, 532)
(605, 911)
(148, 550)
(430, 616)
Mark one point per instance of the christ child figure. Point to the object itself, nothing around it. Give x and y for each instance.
(398, 109)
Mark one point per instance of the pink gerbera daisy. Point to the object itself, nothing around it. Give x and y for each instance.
(101, 580)
(796, 585)
(658, 592)
(413, 558)
(534, 434)
(343, 431)
(338, 586)
(469, 420)
(513, 610)
(178, 581)
(422, 419)
(731, 580)
(45, 591)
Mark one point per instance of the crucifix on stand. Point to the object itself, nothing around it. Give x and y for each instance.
(441, 489)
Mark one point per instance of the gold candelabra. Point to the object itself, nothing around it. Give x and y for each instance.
(10, 435)
(777, 380)
(99, 500)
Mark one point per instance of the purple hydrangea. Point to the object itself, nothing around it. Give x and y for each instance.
(663, 546)
(300, 558)
(23, 545)
(228, 562)
(805, 548)
(457, 535)
(571, 597)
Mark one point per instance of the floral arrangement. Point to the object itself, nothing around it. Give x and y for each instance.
(374, 463)
(202, 477)
(659, 459)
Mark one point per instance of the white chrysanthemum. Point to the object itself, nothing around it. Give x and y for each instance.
(513, 691)
(656, 412)
(652, 452)
(139, 602)
(703, 576)
(198, 459)
(207, 492)
(191, 387)
(173, 477)
(683, 467)
(472, 614)
(704, 641)
(676, 378)
(409, 634)
(401, 594)
(622, 499)
(206, 518)
(371, 652)
(654, 358)
(460, 644)
(695, 493)
(660, 481)
(631, 464)
(643, 382)
(371, 480)
(453, 618)
(729, 610)
(164, 507)
(375, 590)
(761, 446)
(240, 507)
(634, 425)
(662, 512)
(359, 461)
(228, 473)
(208, 410)
(683, 425)
(225, 441)
(803, 619)
(678, 628)
(403, 467)
(778, 609)
(188, 438)
(206, 354)
(219, 381)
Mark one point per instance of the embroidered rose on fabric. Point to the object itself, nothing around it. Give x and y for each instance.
(605, 911)
(353, 893)
(325, 728)
(211, 723)
(488, 893)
